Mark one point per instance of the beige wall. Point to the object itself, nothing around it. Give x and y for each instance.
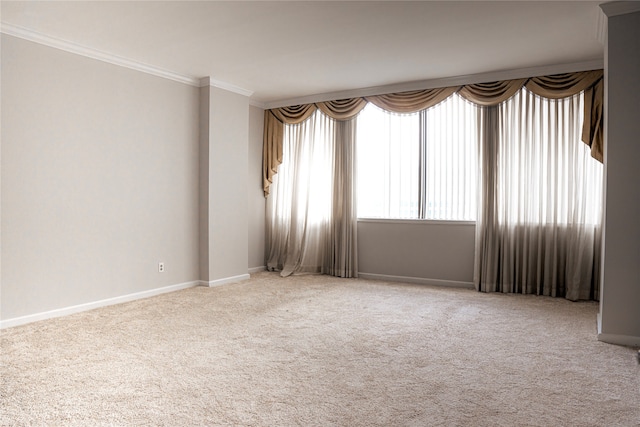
(99, 180)
(229, 226)
(435, 252)
(107, 171)
(228, 205)
(620, 297)
(256, 195)
(203, 191)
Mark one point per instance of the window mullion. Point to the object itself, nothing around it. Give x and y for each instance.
(422, 167)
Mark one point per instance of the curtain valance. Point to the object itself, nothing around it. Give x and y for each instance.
(563, 85)
(342, 109)
(491, 93)
(485, 94)
(294, 114)
(412, 101)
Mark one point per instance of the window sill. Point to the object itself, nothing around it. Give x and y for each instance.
(416, 221)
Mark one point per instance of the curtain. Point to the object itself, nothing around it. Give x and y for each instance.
(273, 137)
(412, 101)
(538, 225)
(492, 93)
(448, 179)
(341, 253)
(592, 130)
(533, 235)
(483, 94)
(311, 218)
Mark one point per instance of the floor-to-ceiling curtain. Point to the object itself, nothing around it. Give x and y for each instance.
(311, 216)
(534, 234)
(539, 221)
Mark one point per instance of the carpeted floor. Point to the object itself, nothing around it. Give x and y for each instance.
(319, 351)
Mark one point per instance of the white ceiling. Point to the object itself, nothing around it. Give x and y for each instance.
(287, 50)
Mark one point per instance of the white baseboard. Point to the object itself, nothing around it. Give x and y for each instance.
(257, 269)
(224, 281)
(419, 280)
(17, 321)
(626, 340)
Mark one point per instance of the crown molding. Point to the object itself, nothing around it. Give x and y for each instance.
(444, 82)
(208, 81)
(610, 9)
(616, 8)
(601, 26)
(67, 46)
(258, 104)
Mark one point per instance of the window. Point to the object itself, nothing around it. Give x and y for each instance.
(421, 165)
(388, 149)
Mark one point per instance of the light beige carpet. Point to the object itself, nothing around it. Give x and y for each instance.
(319, 351)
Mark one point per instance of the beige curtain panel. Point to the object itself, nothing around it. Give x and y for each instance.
(272, 137)
(271, 149)
(592, 128)
(485, 94)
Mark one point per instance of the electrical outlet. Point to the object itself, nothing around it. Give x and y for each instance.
(161, 267)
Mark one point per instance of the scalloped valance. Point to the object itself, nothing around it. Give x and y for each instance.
(484, 94)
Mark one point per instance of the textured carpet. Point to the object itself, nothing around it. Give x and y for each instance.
(315, 350)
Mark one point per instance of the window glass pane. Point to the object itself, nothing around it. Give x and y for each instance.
(388, 151)
(421, 165)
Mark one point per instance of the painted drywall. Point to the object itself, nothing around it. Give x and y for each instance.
(620, 297)
(0, 181)
(228, 169)
(436, 251)
(255, 194)
(203, 191)
(99, 180)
